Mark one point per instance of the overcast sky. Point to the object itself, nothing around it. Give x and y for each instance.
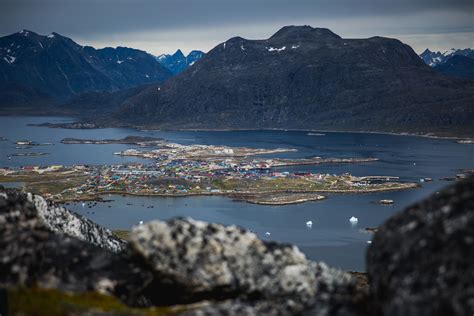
(162, 26)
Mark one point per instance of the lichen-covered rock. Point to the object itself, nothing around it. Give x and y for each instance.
(335, 295)
(26, 209)
(40, 258)
(211, 261)
(421, 261)
(224, 270)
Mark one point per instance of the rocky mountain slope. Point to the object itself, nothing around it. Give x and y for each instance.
(308, 78)
(59, 68)
(177, 62)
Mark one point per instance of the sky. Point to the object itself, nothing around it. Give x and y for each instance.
(163, 26)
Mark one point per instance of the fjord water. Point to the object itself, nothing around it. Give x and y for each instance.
(332, 238)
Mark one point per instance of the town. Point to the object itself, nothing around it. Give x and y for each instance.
(185, 170)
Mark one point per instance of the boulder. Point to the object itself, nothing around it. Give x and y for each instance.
(211, 261)
(27, 209)
(40, 258)
(421, 261)
(210, 268)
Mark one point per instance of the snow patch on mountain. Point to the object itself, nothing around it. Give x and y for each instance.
(9, 59)
(273, 49)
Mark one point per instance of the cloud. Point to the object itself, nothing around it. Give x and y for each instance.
(165, 25)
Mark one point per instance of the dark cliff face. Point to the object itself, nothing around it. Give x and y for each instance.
(59, 67)
(304, 77)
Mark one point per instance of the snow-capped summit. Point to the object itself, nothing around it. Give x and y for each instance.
(436, 58)
(178, 62)
(57, 66)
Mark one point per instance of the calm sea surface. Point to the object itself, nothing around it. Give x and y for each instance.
(331, 239)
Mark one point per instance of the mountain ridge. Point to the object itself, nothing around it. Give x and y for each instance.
(306, 78)
(59, 67)
(436, 58)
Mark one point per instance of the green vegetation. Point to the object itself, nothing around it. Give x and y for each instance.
(122, 234)
(48, 302)
(273, 185)
(50, 183)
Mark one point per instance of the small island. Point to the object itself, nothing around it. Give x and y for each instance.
(75, 125)
(32, 154)
(129, 140)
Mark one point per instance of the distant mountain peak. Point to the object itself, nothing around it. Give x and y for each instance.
(58, 66)
(179, 54)
(304, 31)
(178, 62)
(433, 59)
(306, 78)
(25, 32)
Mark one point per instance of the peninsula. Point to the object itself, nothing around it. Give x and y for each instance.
(178, 170)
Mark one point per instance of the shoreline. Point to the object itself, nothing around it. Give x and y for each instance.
(433, 135)
(246, 196)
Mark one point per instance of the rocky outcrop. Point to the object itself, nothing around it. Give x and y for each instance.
(215, 268)
(33, 211)
(40, 258)
(211, 261)
(421, 261)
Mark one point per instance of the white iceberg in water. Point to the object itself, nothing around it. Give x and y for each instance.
(267, 234)
(309, 224)
(353, 220)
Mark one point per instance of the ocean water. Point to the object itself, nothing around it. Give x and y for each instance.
(332, 238)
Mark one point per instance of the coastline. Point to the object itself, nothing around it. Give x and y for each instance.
(246, 196)
(433, 134)
(447, 135)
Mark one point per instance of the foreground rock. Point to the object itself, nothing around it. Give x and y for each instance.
(211, 261)
(216, 268)
(40, 258)
(33, 211)
(421, 261)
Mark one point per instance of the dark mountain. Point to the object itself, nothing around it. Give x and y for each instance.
(177, 62)
(308, 78)
(457, 66)
(60, 68)
(91, 104)
(23, 99)
(435, 58)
